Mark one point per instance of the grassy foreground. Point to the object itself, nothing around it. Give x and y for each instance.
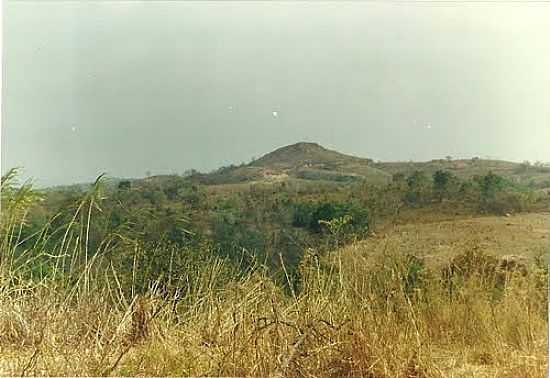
(350, 312)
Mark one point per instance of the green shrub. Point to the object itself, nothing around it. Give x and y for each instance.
(311, 215)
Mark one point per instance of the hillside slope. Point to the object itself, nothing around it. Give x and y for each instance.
(305, 154)
(302, 160)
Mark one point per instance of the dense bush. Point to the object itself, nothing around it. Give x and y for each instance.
(445, 184)
(418, 188)
(311, 215)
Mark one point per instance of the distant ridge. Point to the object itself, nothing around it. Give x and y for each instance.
(313, 162)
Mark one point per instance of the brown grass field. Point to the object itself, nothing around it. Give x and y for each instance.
(526, 235)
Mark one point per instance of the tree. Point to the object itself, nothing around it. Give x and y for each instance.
(190, 172)
(418, 185)
(337, 228)
(468, 191)
(524, 166)
(441, 183)
(490, 185)
(314, 216)
(398, 178)
(124, 185)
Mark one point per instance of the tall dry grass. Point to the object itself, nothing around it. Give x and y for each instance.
(351, 313)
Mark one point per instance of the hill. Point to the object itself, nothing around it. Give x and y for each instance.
(305, 154)
(313, 162)
(308, 161)
(310, 164)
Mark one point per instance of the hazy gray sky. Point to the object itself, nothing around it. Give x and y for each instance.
(130, 87)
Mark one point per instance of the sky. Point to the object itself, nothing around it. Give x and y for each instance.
(132, 87)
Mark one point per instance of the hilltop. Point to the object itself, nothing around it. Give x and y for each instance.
(304, 154)
(309, 161)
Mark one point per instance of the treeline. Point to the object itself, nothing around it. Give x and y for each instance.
(489, 193)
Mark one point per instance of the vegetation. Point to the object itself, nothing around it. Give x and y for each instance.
(170, 276)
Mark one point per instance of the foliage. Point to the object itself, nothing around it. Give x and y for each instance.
(273, 222)
(129, 301)
(442, 181)
(314, 216)
(418, 188)
(490, 185)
